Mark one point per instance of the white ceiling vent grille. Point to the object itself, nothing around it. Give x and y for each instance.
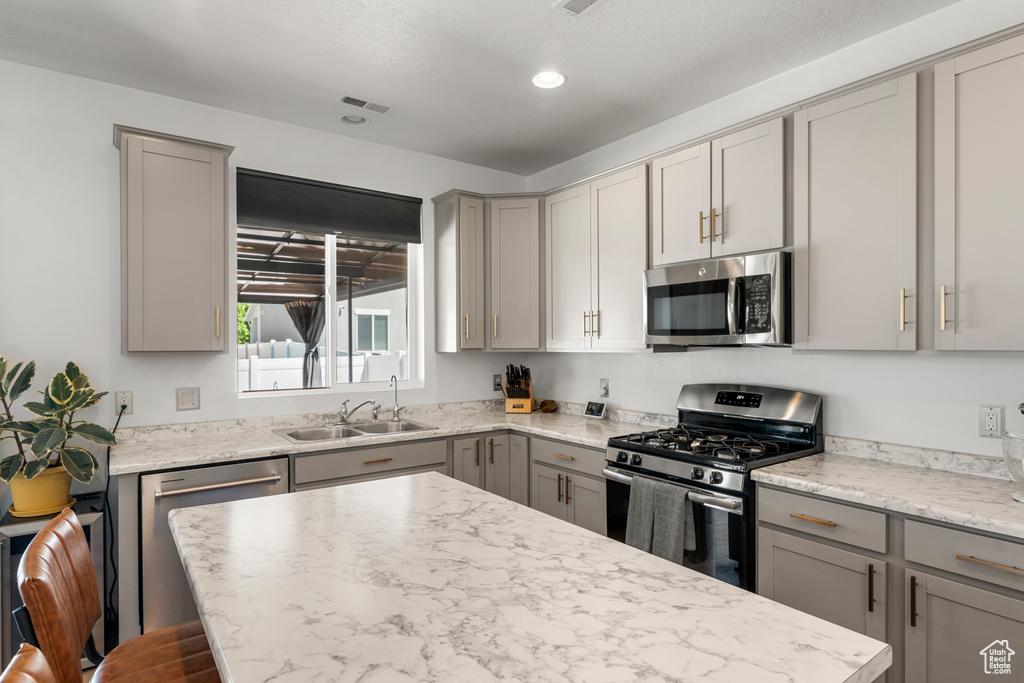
(575, 7)
(360, 103)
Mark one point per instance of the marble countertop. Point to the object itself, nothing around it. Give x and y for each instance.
(424, 578)
(167, 449)
(982, 503)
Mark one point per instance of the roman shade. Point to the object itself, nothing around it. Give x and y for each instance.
(280, 202)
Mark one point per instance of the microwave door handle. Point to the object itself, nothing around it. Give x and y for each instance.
(732, 305)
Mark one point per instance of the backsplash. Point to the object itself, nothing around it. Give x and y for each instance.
(948, 461)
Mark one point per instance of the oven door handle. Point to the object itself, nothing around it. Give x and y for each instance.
(727, 504)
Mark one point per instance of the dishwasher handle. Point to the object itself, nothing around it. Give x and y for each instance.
(272, 479)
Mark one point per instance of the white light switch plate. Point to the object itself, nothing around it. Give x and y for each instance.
(187, 398)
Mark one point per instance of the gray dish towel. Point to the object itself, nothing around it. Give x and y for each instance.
(660, 518)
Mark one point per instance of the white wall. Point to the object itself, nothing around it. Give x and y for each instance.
(60, 239)
(923, 399)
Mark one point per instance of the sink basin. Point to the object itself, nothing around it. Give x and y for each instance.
(390, 427)
(318, 433)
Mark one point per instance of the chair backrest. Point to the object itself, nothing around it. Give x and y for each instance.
(28, 666)
(58, 586)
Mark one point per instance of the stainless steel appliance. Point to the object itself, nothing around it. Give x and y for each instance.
(724, 432)
(166, 596)
(720, 302)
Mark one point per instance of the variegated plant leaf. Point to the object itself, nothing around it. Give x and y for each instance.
(3, 374)
(95, 399)
(79, 399)
(41, 408)
(94, 433)
(72, 371)
(79, 463)
(33, 468)
(10, 466)
(22, 427)
(60, 389)
(19, 382)
(5, 380)
(47, 439)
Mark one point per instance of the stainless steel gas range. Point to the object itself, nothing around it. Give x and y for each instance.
(724, 432)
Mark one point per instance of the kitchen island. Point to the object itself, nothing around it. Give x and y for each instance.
(423, 578)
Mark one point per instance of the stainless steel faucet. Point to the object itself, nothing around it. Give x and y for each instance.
(345, 413)
(394, 383)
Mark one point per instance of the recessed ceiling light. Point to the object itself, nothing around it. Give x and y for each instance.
(548, 79)
(353, 120)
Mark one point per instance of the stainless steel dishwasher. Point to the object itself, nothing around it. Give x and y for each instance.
(166, 596)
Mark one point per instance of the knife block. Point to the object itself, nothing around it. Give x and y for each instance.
(522, 405)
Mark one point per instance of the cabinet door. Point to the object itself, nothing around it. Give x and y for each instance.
(619, 212)
(515, 273)
(844, 588)
(547, 491)
(954, 631)
(519, 469)
(497, 472)
(681, 209)
(979, 144)
(747, 190)
(587, 503)
(466, 464)
(174, 231)
(471, 272)
(568, 268)
(855, 220)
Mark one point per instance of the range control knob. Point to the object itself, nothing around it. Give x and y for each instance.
(696, 473)
(635, 460)
(716, 477)
(622, 457)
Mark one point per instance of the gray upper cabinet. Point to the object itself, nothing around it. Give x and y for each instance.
(459, 271)
(979, 144)
(855, 220)
(721, 197)
(173, 243)
(595, 258)
(513, 230)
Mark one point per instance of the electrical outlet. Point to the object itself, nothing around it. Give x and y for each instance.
(123, 398)
(187, 398)
(990, 421)
(604, 388)
(496, 382)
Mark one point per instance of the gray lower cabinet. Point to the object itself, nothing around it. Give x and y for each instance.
(173, 243)
(498, 463)
(573, 497)
(331, 468)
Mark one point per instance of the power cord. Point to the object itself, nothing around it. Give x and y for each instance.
(111, 613)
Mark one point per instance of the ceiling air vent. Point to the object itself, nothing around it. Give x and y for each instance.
(575, 7)
(360, 103)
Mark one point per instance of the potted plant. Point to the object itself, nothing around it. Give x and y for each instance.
(40, 472)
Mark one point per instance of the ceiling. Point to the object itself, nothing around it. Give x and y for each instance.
(455, 72)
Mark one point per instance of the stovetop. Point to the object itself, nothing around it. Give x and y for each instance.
(707, 444)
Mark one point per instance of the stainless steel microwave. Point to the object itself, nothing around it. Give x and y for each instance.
(720, 302)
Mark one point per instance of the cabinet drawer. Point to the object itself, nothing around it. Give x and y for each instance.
(989, 559)
(842, 523)
(586, 460)
(350, 463)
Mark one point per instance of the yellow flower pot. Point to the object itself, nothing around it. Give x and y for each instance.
(45, 494)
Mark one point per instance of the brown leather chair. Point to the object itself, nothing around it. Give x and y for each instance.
(28, 666)
(58, 586)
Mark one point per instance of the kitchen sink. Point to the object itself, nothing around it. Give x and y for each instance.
(390, 427)
(355, 430)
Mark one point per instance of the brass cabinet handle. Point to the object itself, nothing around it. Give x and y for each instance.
(559, 488)
(913, 601)
(370, 462)
(478, 452)
(903, 309)
(568, 496)
(585, 331)
(217, 329)
(563, 457)
(993, 565)
(495, 326)
(712, 225)
(942, 308)
(812, 519)
(594, 327)
(467, 326)
(700, 227)
(871, 588)
(492, 451)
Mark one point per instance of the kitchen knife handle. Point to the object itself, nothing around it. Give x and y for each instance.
(559, 488)
(568, 496)
(712, 225)
(700, 227)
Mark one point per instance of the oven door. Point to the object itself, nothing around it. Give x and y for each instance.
(725, 540)
(694, 303)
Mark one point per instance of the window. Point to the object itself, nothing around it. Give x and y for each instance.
(289, 279)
